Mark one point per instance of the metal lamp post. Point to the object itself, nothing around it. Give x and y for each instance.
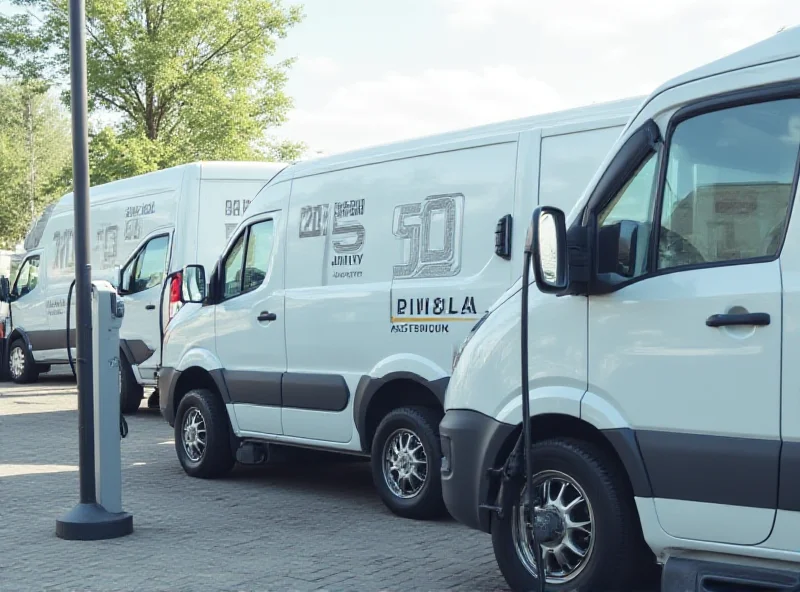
(88, 520)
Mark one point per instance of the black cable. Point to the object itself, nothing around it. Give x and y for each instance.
(526, 423)
(69, 349)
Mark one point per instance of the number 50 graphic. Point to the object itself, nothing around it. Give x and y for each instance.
(433, 231)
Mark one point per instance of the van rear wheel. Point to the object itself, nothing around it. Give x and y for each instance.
(406, 461)
(597, 543)
(130, 391)
(21, 365)
(202, 435)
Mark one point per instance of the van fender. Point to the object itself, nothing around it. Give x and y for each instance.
(199, 357)
(596, 411)
(607, 417)
(19, 332)
(397, 367)
(602, 413)
(544, 399)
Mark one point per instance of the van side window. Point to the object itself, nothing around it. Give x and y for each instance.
(259, 247)
(729, 184)
(247, 263)
(634, 203)
(147, 269)
(232, 280)
(28, 277)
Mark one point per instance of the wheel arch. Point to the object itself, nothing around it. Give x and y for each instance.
(197, 377)
(20, 333)
(375, 397)
(620, 444)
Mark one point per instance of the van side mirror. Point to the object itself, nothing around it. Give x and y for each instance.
(547, 241)
(116, 280)
(617, 249)
(5, 289)
(193, 285)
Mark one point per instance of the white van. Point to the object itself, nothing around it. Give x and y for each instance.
(664, 383)
(145, 225)
(333, 314)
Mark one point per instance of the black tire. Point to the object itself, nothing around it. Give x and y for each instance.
(619, 557)
(130, 391)
(217, 458)
(423, 422)
(29, 373)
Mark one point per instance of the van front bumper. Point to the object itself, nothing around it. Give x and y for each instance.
(472, 444)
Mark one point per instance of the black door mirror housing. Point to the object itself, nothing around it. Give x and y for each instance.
(5, 289)
(547, 242)
(193, 284)
(617, 246)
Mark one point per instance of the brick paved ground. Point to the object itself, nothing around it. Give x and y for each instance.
(280, 528)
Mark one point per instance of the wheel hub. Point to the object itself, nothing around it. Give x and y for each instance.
(17, 362)
(194, 435)
(405, 464)
(564, 525)
(549, 525)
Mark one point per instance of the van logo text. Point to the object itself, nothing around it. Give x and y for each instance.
(435, 306)
(142, 210)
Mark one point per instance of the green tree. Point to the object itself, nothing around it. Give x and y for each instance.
(185, 79)
(35, 150)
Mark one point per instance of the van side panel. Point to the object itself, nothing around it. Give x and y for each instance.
(445, 272)
(350, 232)
(568, 162)
(337, 285)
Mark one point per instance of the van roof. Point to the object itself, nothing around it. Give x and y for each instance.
(173, 176)
(589, 115)
(154, 182)
(783, 45)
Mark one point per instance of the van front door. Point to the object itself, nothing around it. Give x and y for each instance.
(249, 326)
(141, 282)
(28, 309)
(687, 345)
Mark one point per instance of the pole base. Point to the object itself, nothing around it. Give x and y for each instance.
(92, 522)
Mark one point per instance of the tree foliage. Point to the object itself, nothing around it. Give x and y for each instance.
(183, 80)
(35, 152)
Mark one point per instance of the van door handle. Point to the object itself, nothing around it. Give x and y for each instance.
(150, 307)
(759, 319)
(267, 316)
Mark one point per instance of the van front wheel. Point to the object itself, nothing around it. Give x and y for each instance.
(21, 365)
(202, 435)
(596, 543)
(406, 461)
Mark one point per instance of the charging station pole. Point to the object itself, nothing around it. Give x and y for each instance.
(88, 520)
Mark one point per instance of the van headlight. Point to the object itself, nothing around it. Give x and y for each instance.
(459, 350)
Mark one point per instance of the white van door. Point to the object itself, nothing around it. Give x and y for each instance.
(28, 306)
(688, 348)
(141, 281)
(249, 325)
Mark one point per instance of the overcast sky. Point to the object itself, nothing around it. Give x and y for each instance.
(374, 71)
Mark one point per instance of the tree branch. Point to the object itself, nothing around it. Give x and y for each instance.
(113, 57)
(115, 103)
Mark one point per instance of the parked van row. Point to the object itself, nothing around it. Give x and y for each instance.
(371, 303)
(332, 317)
(142, 228)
